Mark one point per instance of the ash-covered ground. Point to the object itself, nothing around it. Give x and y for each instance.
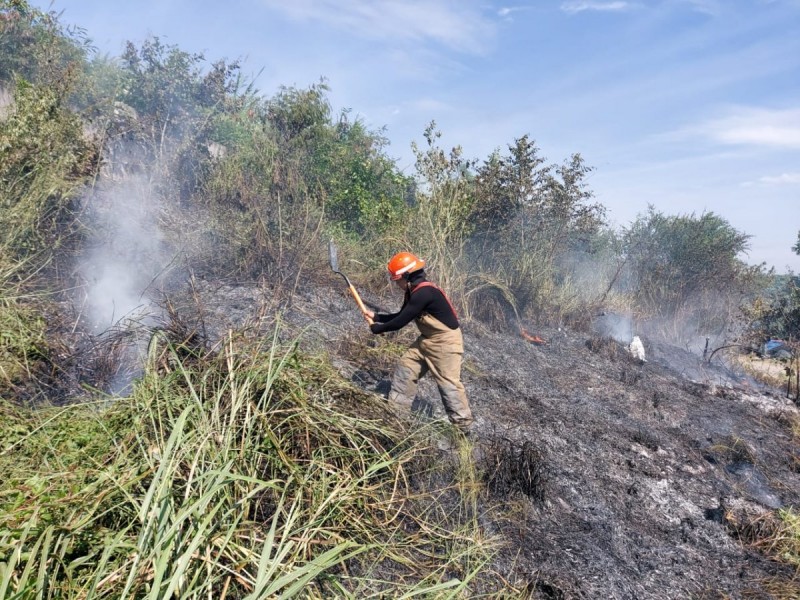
(606, 477)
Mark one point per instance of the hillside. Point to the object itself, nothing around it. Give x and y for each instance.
(191, 405)
(603, 477)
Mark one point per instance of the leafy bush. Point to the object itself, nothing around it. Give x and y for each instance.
(167, 89)
(342, 165)
(531, 221)
(180, 109)
(365, 192)
(686, 270)
(775, 312)
(289, 176)
(34, 46)
(44, 158)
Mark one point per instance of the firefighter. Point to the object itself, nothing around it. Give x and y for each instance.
(438, 349)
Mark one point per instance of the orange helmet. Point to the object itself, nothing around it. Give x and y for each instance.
(402, 263)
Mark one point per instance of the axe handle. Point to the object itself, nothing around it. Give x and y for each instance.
(360, 303)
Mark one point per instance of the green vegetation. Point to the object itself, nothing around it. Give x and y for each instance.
(43, 156)
(35, 46)
(686, 270)
(23, 341)
(535, 225)
(273, 177)
(776, 312)
(249, 473)
(256, 471)
(776, 534)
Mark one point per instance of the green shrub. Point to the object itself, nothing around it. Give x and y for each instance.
(686, 270)
(44, 158)
(35, 46)
(439, 226)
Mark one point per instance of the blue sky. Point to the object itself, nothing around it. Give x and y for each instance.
(689, 105)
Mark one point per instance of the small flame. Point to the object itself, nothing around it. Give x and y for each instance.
(533, 339)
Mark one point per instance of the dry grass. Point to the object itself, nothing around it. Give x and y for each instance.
(248, 472)
(766, 370)
(514, 467)
(730, 450)
(777, 535)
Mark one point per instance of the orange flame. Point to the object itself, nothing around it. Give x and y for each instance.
(533, 339)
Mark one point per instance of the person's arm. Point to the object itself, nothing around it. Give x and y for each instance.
(384, 318)
(410, 311)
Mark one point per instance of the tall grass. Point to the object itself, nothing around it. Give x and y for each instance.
(251, 472)
(23, 340)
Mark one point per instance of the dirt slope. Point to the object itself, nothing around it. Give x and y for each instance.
(606, 477)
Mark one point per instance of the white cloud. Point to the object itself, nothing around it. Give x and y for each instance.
(759, 127)
(429, 105)
(708, 7)
(577, 6)
(453, 24)
(506, 11)
(783, 179)
(751, 127)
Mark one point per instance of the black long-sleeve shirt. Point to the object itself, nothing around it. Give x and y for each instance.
(427, 299)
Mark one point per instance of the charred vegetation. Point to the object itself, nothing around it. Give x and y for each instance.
(193, 406)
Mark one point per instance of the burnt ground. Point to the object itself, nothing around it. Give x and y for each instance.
(606, 477)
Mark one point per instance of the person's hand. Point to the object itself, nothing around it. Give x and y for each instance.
(370, 314)
(373, 327)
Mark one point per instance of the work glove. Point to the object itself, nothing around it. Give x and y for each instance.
(375, 327)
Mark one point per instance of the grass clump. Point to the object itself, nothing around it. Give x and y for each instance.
(22, 342)
(784, 543)
(249, 472)
(777, 535)
(770, 371)
(729, 450)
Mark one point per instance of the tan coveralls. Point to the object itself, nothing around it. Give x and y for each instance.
(439, 350)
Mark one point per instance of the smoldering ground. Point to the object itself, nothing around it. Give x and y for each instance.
(604, 477)
(124, 265)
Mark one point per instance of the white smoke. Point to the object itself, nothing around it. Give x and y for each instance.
(616, 326)
(122, 263)
(123, 267)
